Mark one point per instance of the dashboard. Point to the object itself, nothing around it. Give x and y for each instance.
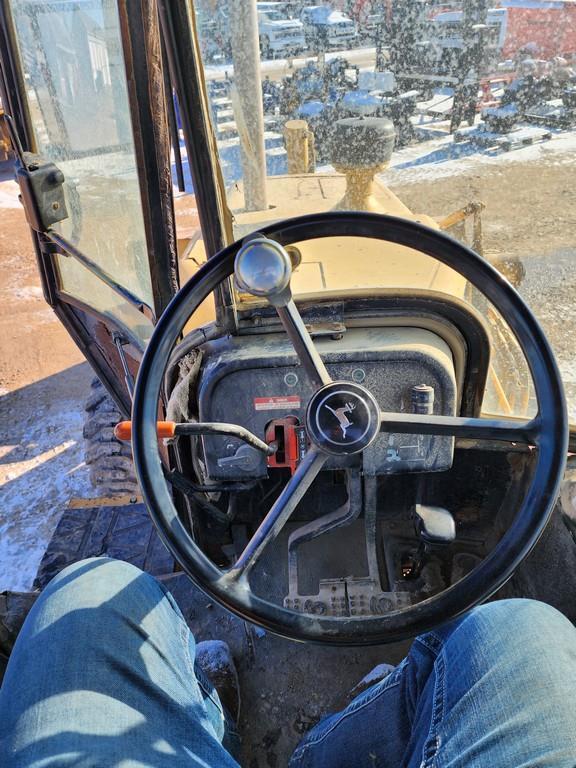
(256, 380)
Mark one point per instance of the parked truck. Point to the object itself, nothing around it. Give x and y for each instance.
(325, 27)
(278, 34)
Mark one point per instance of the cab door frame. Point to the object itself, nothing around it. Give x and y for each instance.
(91, 330)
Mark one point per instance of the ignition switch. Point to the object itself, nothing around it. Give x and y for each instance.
(290, 438)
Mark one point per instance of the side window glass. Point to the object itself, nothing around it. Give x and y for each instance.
(72, 61)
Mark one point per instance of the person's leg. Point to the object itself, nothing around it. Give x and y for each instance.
(376, 726)
(503, 691)
(494, 688)
(102, 673)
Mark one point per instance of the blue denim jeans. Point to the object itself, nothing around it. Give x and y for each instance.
(103, 675)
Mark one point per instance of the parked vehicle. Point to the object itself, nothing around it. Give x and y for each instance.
(278, 33)
(371, 26)
(326, 28)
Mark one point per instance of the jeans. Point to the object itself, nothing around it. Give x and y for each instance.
(103, 674)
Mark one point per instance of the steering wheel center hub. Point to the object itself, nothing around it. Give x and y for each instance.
(343, 418)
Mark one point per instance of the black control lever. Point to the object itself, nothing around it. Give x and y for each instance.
(168, 429)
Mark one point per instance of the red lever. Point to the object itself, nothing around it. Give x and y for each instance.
(291, 440)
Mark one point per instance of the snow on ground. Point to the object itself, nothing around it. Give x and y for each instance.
(41, 469)
(442, 157)
(436, 157)
(9, 191)
(25, 292)
(358, 56)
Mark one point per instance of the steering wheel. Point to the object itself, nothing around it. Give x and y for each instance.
(264, 269)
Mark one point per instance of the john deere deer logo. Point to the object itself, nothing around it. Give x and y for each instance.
(343, 419)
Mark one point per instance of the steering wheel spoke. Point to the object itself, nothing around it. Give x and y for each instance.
(279, 514)
(507, 430)
(302, 341)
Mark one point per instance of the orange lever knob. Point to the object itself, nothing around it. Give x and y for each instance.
(123, 430)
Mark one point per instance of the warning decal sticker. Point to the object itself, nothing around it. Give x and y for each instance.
(285, 403)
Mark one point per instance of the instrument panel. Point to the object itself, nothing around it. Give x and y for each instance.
(256, 380)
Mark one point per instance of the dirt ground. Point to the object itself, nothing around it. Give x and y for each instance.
(34, 344)
(530, 208)
(530, 216)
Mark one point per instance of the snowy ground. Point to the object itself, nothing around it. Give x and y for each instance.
(41, 468)
(278, 68)
(441, 157)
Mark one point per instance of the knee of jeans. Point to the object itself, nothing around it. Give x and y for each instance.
(98, 582)
(100, 606)
(100, 570)
(530, 626)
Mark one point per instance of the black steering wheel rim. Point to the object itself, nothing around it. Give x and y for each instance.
(512, 548)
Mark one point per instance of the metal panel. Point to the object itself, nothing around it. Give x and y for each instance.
(143, 60)
(186, 73)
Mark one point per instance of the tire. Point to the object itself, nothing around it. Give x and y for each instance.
(109, 460)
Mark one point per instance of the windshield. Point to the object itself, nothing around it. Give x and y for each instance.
(460, 116)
